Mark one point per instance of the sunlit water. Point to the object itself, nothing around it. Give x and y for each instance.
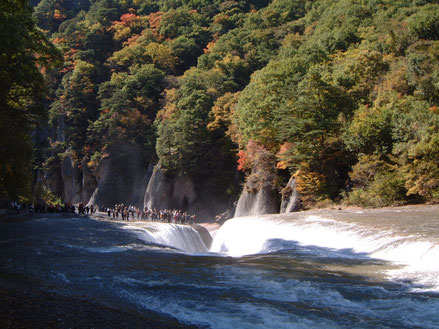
(323, 269)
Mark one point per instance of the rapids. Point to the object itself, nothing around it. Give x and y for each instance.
(321, 269)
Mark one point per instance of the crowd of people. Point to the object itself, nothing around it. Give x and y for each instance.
(165, 215)
(44, 207)
(119, 211)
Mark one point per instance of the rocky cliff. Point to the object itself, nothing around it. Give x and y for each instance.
(290, 197)
(181, 192)
(120, 177)
(264, 200)
(124, 175)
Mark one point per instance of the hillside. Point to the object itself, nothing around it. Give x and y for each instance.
(338, 97)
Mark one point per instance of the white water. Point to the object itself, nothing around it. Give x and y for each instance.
(418, 256)
(412, 257)
(182, 237)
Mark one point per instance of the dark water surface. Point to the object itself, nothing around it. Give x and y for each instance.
(279, 276)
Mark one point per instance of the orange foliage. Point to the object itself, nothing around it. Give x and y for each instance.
(285, 148)
(243, 160)
(57, 15)
(209, 47)
(58, 41)
(129, 19)
(131, 40)
(221, 19)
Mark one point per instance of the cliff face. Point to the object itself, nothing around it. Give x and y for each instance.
(72, 180)
(125, 176)
(264, 200)
(180, 192)
(121, 177)
(290, 198)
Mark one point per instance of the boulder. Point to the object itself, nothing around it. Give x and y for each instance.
(290, 198)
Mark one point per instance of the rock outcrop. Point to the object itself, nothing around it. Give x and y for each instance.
(252, 202)
(72, 180)
(158, 191)
(52, 178)
(290, 198)
(122, 177)
(180, 192)
(89, 183)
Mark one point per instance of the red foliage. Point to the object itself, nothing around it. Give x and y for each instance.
(242, 160)
(131, 40)
(154, 21)
(129, 19)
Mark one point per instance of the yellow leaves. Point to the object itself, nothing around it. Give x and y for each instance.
(170, 98)
(223, 110)
(282, 155)
(161, 56)
(310, 185)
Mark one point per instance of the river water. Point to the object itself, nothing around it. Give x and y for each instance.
(321, 269)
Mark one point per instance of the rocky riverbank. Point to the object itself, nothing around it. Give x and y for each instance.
(23, 304)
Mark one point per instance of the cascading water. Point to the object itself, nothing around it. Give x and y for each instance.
(182, 237)
(416, 253)
(324, 269)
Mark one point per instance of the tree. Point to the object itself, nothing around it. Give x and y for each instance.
(24, 53)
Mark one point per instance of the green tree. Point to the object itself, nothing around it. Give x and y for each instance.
(24, 52)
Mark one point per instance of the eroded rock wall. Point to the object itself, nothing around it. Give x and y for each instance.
(122, 177)
(252, 202)
(181, 192)
(290, 198)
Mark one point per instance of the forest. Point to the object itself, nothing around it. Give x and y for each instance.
(341, 95)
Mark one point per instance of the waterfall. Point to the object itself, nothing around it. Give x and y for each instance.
(416, 254)
(189, 239)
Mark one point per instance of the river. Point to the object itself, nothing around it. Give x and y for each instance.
(319, 269)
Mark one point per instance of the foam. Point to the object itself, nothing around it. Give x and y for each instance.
(182, 237)
(254, 235)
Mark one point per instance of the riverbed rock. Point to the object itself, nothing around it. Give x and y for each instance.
(261, 201)
(204, 234)
(290, 198)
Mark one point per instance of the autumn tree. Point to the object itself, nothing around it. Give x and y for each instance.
(24, 53)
